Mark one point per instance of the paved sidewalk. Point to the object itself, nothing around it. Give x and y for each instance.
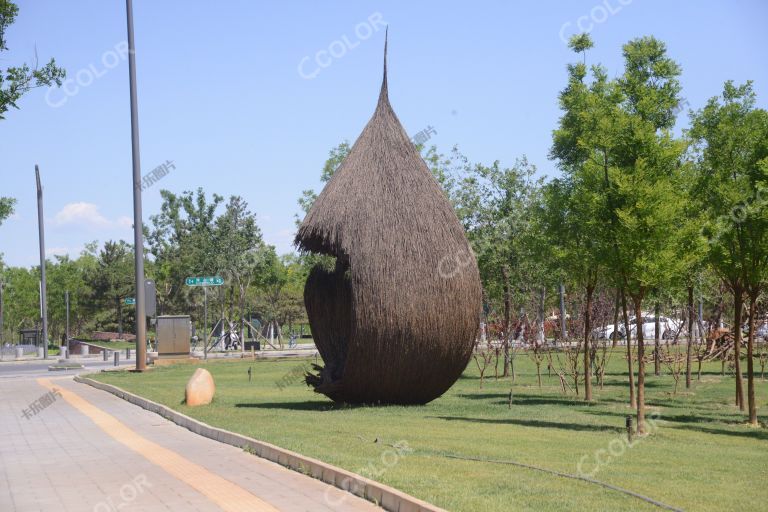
(91, 451)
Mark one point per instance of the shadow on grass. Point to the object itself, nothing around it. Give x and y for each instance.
(534, 423)
(298, 406)
(760, 434)
(519, 399)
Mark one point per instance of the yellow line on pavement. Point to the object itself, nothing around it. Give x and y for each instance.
(224, 493)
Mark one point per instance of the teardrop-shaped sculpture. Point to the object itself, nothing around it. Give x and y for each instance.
(395, 321)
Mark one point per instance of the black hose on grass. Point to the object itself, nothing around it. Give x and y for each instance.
(544, 470)
(566, 475)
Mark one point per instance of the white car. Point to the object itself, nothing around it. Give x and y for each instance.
(669, 327)
(607, 332)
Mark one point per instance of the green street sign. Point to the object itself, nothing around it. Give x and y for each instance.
(204, 281)
(130, 301)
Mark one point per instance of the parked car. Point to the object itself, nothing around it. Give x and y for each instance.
(607, 332)
(669, 327)
(761, 331)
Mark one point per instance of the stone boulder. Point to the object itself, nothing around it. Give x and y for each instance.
(200, 388)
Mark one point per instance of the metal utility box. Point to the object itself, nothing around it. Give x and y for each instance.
(173, 335)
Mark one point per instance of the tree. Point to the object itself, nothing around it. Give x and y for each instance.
(579, 206)
(336, 155)
(6, 208)
(496, 206)
(17, 81)
(614, 143)
(645, 198)
(112, 278)
(182, 242)
(731, 139)
(237, 246)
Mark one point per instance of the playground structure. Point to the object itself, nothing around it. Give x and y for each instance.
(225, 336)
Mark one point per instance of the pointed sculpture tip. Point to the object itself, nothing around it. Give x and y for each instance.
(384, 93)
(386, 38)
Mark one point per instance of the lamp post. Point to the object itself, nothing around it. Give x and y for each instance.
(41, 238)
(138, 236)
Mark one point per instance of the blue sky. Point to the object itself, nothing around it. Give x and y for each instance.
(236, 95)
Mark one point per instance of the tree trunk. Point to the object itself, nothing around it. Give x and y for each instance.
(656, 340)
(563, 325)
(587, 333)
(738, 301)
(538, 372)
(616, 319)
(638, 301)
(754, 294)
(628, 339)
(507, 318)
(542, 316)
(690, 339)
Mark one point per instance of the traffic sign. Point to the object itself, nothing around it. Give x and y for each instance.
(130, 301)
(204, 281)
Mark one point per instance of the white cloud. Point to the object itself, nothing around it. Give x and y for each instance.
(88, 214)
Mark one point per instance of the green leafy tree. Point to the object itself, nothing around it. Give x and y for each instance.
(112, 279)
(579, 214)
(646, 200)
(238, 245)
(335, 157)
(614, 141)
(17, 81)
(182, 242)
(21, 300)
(731, 140)
(6, 208)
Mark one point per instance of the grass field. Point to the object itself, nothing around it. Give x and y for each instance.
(114, 345)
(700, 455)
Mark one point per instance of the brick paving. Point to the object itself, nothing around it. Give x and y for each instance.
(60, 460)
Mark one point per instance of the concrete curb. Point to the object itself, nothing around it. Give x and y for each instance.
(386, 497)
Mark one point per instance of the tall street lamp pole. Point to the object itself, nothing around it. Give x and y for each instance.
(138, 236)
(41, 237)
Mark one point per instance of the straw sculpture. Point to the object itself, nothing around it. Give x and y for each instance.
(396, 319)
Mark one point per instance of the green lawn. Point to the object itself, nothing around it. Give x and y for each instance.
(114, 345)
(701, 456)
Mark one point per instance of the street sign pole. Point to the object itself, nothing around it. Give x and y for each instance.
(205, 282)
(205, 322)
(138, 235)
(66, 334)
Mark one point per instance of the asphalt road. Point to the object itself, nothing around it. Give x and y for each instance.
(36, 368)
